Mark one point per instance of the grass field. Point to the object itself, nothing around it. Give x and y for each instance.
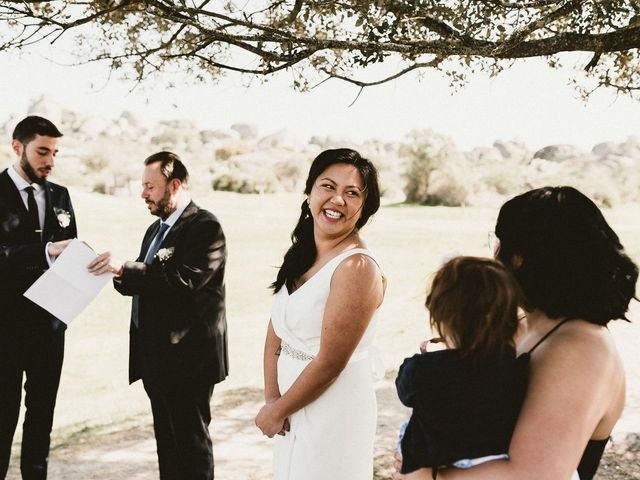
(409, 241)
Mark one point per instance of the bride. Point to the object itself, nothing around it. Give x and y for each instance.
(318, 358)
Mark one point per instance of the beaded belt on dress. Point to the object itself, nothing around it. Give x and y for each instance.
(294, 352)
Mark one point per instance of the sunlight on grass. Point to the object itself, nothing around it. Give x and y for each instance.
(409, 241)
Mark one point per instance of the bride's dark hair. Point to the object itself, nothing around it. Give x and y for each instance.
(302, 252)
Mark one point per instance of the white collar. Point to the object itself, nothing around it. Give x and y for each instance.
(20, 182)
(183, 202)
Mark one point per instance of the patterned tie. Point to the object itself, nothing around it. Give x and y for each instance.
(34, 217)
(148, 259)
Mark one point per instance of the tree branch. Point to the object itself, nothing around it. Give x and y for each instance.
(519, 35)
(521, 5)
(362, 84)
(294, 13)
(278, 34)
(594, 61)
(396, 75)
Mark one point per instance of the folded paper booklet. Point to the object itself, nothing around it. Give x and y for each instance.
(67, 287)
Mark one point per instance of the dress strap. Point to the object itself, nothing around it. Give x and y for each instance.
(354, 251)
(546, 335)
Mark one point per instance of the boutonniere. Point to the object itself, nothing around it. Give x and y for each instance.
(64, 217)
(165, 254)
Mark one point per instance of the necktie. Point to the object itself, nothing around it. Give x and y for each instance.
(148, 259)
(155, 245)
(34, 217)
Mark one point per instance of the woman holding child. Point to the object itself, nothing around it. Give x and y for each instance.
(319, 393)
(575, 277)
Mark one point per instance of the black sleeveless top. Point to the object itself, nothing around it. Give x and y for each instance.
(595, 448)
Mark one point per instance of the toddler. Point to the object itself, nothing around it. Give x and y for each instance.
(466, 397)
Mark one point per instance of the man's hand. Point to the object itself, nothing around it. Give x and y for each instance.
(56, 248)
(105, 263)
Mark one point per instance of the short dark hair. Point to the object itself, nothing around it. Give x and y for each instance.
(474, 302)
(28, 128)
(573, 264)
(171, 166)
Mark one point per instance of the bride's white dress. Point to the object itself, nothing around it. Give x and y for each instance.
(332, 437)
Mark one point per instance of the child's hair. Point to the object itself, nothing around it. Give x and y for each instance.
(474, 306)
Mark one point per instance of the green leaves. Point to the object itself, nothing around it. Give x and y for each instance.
(320, 38)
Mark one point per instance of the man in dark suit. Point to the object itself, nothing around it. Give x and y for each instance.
(178, 333)
(36, 224)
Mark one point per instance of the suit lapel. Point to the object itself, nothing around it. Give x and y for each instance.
(189, 212)
(149, 236)
(13, 195)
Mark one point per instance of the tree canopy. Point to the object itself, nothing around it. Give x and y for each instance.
(319, 39)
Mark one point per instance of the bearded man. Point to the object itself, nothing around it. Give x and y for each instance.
(36, 224)
(178, 331)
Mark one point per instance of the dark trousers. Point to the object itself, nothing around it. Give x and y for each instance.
(181, 417)
(33, 349)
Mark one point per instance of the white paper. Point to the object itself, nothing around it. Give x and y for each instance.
(67, 287)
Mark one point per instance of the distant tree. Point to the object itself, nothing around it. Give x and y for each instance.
(318, 40)
(434, 174)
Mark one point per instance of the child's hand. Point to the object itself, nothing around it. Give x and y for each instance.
(427, 345)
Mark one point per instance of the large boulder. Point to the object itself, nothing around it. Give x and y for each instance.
(282, 140)
(47, 107)
(560, 153)
(485, 155)
(511, 149)
(93, 127)
(219, 135)
(604, 149)
(332, 141)
(245, 130)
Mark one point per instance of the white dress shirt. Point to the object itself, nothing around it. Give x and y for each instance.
(39, 194)
(183, 201)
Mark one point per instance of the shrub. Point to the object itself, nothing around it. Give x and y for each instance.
(242, 183)
(433, 159)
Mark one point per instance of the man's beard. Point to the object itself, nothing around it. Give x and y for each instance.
(164, 207)
(29, 171)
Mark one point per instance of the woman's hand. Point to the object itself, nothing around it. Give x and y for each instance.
(270, 421)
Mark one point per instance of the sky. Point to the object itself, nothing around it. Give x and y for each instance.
(529, 103)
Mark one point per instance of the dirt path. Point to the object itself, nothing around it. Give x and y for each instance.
(241, 452)
(128, 453)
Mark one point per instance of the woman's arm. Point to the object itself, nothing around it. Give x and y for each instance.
(271, 351)
(575, 379)
(356, 291)
(271, 388)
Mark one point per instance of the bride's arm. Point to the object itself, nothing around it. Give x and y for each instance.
(270, 365)
(356, 291)
(575, 378)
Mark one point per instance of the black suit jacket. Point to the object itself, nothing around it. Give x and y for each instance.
(22, 261)
(182, 331)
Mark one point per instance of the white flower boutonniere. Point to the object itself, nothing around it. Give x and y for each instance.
(64, 217)
(164, 254)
